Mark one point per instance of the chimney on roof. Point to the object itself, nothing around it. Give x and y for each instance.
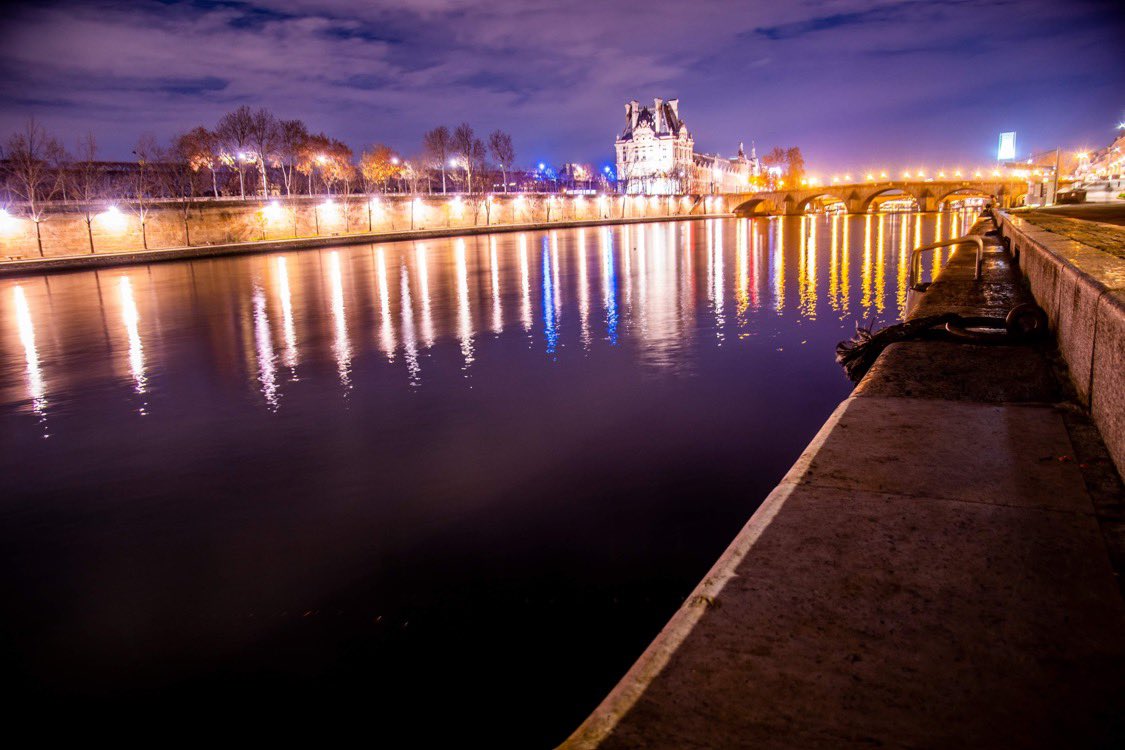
(658, 106)
(675, 105)
(633, 109)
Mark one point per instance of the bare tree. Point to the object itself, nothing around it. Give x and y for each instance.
(264, 137)
(795, 164)
(469, 150)
(336, 165)
(438, 144)
(144, 187)
(33, 178)
(313, 154)
(201, 148)
(179, 176)
(503, 153)
(235, 130)
(88, 182)
(379, 165)
(292, 135)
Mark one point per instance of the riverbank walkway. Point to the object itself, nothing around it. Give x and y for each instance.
(1099, 225)
(934, 571)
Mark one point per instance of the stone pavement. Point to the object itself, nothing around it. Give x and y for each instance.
(930, 573)
(1098, 225)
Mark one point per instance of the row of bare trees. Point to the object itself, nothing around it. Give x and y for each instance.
(248, 152)
(255, 141)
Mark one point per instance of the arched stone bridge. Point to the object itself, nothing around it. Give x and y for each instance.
(859, 197)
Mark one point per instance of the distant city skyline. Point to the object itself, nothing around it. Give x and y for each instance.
(855, 84)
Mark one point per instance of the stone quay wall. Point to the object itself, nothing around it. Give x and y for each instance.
(1082, 289)
(206, 222)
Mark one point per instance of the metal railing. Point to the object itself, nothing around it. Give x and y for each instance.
(916, 258)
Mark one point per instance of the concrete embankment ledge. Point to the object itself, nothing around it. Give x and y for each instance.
(142, 257)
(932, 572)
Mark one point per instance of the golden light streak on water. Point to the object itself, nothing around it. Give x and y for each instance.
(583, 290)
(641, 253)
(263, 345)
(903, 264)
(742, 273)
(846, 270)
(525, 285)
(386, 325)
(865, 271)
(422, 261)
(609, 287)
(497, 304)
(717, 291)
(289, 356)
(341, 346)
(464, 313)
(627, 265)
(802, 272)
(556, 288)
(880, 268)
(36, 386)
(131, 318)
(409, 338)
(756, 262)
(810, 269)
(833, 260)
(777, 265)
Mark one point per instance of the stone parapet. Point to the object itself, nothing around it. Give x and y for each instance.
(117, 228)
(1083, 291)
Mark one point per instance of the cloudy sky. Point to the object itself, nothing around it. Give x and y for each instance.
(856, 83)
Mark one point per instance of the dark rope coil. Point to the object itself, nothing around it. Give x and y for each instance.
(1023, 323)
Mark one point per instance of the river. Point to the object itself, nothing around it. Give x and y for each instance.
(434, 490)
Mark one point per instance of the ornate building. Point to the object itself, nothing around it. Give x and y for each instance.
(656, 155)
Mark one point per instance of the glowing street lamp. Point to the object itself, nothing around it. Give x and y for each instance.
(870, 177)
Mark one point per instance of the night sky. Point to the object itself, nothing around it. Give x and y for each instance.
(856, 83)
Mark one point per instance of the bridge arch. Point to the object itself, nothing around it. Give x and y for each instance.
(965, 191)
(802, 206)
(755, 207)
(869, 200)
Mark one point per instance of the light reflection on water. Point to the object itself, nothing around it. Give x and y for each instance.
(478, 436)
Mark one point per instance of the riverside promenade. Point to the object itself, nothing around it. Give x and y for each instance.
(936, 570)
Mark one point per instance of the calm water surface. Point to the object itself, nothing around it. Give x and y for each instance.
(437, 490)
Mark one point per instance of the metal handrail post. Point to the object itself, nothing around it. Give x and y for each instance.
(916, 256)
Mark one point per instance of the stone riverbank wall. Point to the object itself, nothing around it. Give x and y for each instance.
(1083, 291)
(117, 228)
